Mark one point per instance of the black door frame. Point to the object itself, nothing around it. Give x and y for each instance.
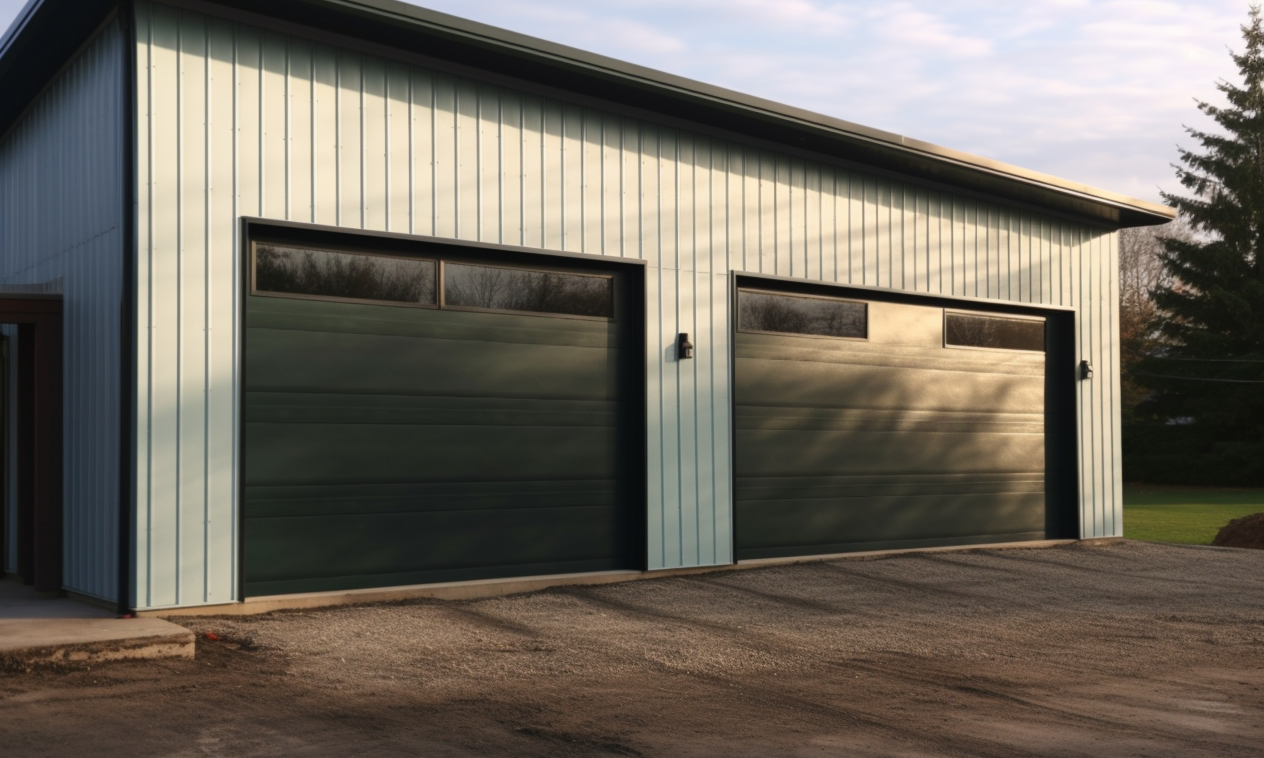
(253, 228)
(1062, 472)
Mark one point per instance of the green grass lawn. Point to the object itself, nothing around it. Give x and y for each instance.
(1184, 514)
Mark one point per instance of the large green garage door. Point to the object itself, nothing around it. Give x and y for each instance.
(864, 425)
(414, 419)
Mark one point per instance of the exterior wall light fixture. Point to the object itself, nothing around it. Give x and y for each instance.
(1086, 370)
(684, 348)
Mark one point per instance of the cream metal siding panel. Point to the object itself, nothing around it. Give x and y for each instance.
(466, 138)
(532, 125)
(300, 140)
(164, 527)
(284, 128)
(668, 207)
(61, 230)
(1108, 264)
(932, 213)
(593, 182)
(631, 202)
(854, 227)
(324, 135)
(610, 197)
(221, 312)
(669, 421)
(374, 125)
(1094, 486)
(686, 380)
(871, 268)
(655, 361)
(720, 209)
(685, 205)
(192, 284)
(552, 175)
(273, 93)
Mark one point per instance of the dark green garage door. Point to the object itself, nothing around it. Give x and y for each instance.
(413, 420)
(877, 425)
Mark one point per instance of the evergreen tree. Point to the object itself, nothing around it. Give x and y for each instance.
(1209, 369)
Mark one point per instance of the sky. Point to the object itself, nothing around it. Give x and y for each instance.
(1095, 91)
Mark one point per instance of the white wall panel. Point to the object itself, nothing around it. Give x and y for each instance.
(61, 218)
(280, 127)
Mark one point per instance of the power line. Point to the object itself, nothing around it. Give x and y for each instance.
(1207, 360)
(1197, 378)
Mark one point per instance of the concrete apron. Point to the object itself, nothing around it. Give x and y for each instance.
(485, 588)
(41, 629)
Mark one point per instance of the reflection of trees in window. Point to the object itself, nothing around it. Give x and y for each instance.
(511, 289)
(966, 330)
(763, 312)
(324, 273)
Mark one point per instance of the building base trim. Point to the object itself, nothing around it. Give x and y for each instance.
(487, 588)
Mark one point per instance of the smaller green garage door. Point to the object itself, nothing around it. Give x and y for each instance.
(424, 419)
(868, 424)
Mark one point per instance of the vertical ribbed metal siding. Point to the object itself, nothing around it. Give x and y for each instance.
(61, 173)
(236, 121)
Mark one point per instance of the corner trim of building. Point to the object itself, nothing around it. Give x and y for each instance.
(126, 563)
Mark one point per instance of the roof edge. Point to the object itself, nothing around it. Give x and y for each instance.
(47, 32)
(485, 34)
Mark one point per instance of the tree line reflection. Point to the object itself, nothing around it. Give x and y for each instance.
(765, 312)
(514, 289)
(366, 277)
(353, 276)
(970, 330)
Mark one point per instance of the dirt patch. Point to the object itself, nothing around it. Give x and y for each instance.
(1123, 650)
(1247, 531)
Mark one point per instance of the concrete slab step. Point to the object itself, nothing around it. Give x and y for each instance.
(30, 642)
(40, 629)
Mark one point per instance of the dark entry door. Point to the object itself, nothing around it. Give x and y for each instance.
(425, 418)
(866, 424)
(5, 504)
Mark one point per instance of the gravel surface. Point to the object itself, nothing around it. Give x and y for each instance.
(1130, 649)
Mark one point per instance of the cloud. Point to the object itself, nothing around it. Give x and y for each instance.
(910, 29)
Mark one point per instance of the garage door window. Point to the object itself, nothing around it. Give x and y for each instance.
(795, 314)
(521, 290)
(995, 332)
(356, 277)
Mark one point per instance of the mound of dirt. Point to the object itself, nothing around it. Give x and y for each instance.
(1247, 531)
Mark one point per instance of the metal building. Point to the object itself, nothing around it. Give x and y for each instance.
(356, 294)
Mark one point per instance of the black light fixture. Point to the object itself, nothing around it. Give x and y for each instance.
(1086, 370)
(684, 348)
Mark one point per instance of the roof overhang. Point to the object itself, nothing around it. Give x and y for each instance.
(42, 39)
(49, 27)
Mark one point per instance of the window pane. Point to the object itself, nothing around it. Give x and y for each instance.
(352, 276)
(995, 331)
(762, 312)
(515, 289)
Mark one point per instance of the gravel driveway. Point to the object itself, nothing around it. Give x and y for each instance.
(1127, 649)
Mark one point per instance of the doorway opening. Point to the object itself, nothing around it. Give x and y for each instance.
(32, 371)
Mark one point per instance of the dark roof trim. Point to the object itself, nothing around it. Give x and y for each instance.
(42, 40)
(499, 52)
